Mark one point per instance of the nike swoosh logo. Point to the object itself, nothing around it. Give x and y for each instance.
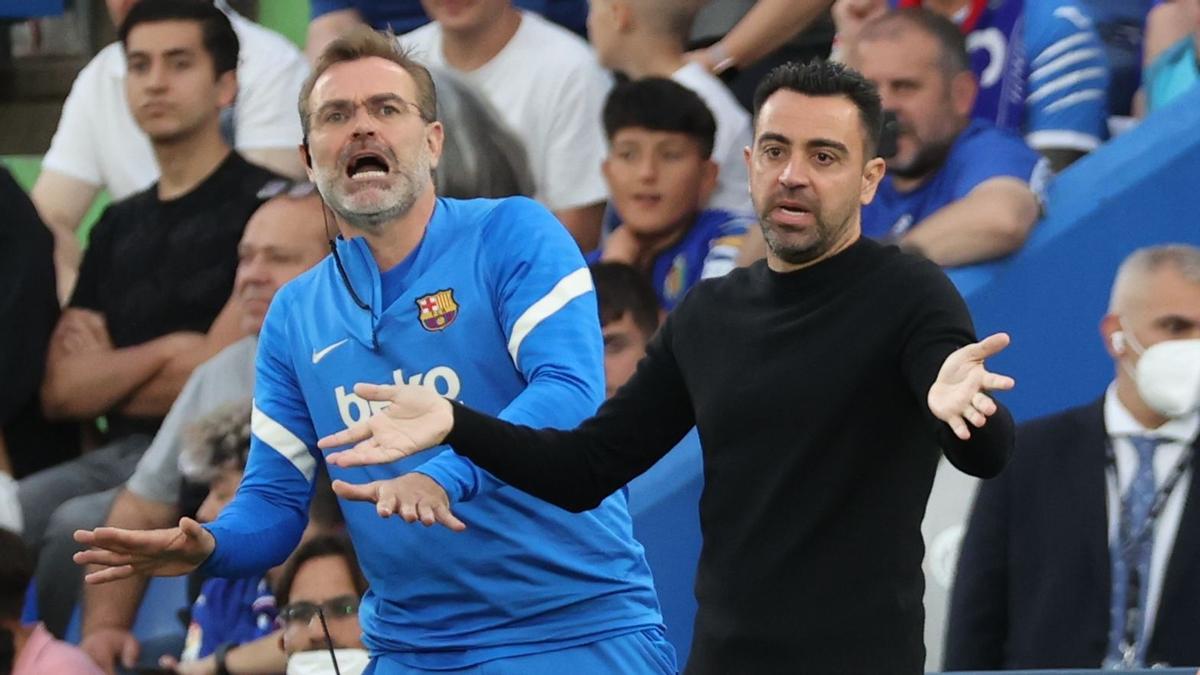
(318, 355)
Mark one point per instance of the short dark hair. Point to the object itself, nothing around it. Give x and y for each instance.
(952, 44)
(660, 104)
(827, 78)
(621, 290)
(220, 40)
(319, 547)
(16, 570)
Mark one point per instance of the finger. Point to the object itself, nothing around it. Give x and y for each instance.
(425, 513)
(375, 392)
(193, 529)
(448, 519)
(386, 505)
(130, 649)
(364, 454)
(127, 541)
(408, 511)
(109, 574)
(975, 417)
(356, 493)
(996, 381)
(84, 537)
(959, 427)
(99, 556)
(983, 403)
(353, 434)
(992, 344)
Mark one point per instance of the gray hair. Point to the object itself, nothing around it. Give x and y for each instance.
(480, 157)
(218, 440)
(1184, 258)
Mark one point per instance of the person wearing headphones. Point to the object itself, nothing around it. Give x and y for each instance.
(1085, 552)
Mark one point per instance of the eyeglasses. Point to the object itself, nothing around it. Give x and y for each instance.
(334, 608)
(295, 189)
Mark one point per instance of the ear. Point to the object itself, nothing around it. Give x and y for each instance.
(873, 173)
(709, 172)
(1110, 325)
(227, 87)
(306, 158)
(435, 136)
(963, 90)
(607, 170)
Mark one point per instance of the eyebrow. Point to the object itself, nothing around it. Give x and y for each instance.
(773, 137)
(829, 143)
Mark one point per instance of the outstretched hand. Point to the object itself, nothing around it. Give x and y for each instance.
(124, 553)
(415, 418)
(957, 397)
(413, 496)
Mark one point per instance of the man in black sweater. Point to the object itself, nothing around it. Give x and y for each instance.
(823, 384)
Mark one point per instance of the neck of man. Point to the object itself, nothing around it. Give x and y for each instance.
(184, 163)
(650, 56)
(471, 49)
(397, 238)
(1127, 394)
(852, 234)
(932, 160)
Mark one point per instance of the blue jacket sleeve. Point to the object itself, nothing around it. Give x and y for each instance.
(544, 299)
(992, 153)
(263, 523)
(1066, 98)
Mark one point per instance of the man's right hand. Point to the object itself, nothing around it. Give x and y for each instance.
(108, 646)
(124, 553)
(416, 418)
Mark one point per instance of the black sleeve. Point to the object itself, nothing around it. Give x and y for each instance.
(577, 469)
(28, 299)
(94, 267)
(941, 325)
(977, 625)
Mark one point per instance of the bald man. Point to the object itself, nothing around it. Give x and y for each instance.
(1084, 552)
(646, 38)
(283, 238)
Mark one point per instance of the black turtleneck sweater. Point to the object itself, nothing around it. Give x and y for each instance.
(809, 392)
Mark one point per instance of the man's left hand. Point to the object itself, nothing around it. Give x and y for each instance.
(413, 496)
(957, 397)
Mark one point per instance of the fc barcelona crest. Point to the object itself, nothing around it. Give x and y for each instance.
(437, 310)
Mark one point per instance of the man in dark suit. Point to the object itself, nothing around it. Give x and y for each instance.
(1086, 550)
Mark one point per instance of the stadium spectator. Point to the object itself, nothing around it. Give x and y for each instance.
(284, 238)
(487, 299)
(646, 38)
(28, 312)
(154, 295)
(660, 174)
(1040, 66)
(547, 87)
(333, 18)
(1176, 70)
(629, 315)
(100, 143)
(957, 190)
(1082, 553)
(319, 591)
(29, 650)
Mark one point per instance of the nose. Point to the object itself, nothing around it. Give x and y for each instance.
(794, 174)
(315, 633)
(364, 124)
(157, 78)
(254, 269)
(647, 169)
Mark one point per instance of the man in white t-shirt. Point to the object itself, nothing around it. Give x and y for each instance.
(98, 145)
(545, 84)
(646, 38)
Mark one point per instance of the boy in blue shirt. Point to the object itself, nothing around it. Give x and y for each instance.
(660, 172)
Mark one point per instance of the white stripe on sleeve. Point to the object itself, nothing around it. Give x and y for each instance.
(1064, 82)
(1065, 60)
(1060, 47)
(279, 439)
(567, 289)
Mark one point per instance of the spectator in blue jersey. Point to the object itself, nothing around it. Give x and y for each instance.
(1177, 69)
(1040, 65)
(957, 190)
(484, 300)
(629, 315)
(660, 174)
(319, 593)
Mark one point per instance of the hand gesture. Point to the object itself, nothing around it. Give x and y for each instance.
(123, 553)
(957, 395)
(106, 646)
(413, 496)
(415, 419)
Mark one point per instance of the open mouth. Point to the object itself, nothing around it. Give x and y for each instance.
(367, 165)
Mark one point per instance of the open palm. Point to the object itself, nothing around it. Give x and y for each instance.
(957, 396)
(124, 553)
(415, 418)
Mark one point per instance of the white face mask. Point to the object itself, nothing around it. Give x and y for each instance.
(1168, 377)
(317, 662)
